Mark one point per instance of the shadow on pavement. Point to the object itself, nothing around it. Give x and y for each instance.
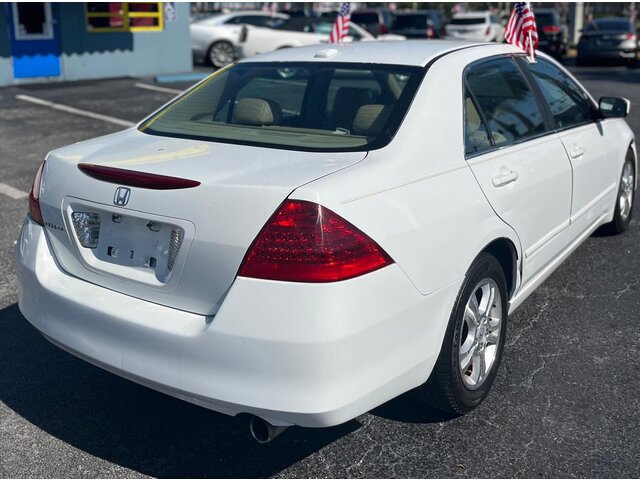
(133, 426)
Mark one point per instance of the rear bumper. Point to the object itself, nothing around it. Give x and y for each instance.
(607, 53)
(310, 355)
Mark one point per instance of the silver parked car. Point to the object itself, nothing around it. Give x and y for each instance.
(214, 40)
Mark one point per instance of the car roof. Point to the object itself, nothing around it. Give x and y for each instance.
(220, 18)
(398, 52)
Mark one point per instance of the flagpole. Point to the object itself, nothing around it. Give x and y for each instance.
(532, 58)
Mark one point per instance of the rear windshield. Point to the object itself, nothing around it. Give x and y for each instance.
(623, 25)
(468, 21)
(411, 21)
(365, 18)
(297, 106)
(546, 19)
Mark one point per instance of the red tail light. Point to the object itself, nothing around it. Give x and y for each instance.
(383, 29)
(630, 36)
(488, 30)
(430, 32)
(34, 197)
(305, 242)
(551, 29)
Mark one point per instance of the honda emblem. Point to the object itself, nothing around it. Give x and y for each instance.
(121, 196)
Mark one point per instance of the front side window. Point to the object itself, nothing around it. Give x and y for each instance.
(255, 20)
(300, 106)
(569, 104)
(507, 102)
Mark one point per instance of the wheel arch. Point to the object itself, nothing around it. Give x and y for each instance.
(632, 149)
(504, 250)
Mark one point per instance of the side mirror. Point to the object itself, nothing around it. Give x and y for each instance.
(614, 107)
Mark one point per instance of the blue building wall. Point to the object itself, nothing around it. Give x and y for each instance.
(90, 55)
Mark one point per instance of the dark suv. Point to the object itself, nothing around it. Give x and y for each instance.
(552, 34)
(420, 24)
(377, 21)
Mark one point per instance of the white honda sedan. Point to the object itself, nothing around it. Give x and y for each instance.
(307, 234)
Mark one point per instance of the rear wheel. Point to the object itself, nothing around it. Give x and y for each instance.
(221, 54)
(473, 343)
(624, 200)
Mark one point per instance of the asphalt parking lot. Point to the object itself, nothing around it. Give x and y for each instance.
(566, 402)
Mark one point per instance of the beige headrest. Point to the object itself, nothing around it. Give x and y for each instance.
(473, 119)
(257, 111)
(371, 119)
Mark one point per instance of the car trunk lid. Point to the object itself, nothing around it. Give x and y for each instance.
(179, 247)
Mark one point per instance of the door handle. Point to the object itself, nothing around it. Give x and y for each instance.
(577, 151)
(505, 178)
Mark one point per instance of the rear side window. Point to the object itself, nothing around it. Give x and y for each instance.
(507, 102)
(546, 19)
(569, 104)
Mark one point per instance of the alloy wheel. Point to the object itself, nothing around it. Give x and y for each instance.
(625, 200)
(480, 334)
(221, 54)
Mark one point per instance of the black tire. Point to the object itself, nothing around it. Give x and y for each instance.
(621, 221)
(446, 390)
(221, 54)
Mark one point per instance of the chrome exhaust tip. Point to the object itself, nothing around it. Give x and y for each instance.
(262, 431)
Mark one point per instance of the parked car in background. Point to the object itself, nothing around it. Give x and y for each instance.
(298, 32)
(552, 34)
(214, 39)
(609, 39)
(475, 27)
(276, 243)
(420, 24)
(376, 21)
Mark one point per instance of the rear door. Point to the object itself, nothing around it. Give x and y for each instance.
(583, 136)
(516, 158)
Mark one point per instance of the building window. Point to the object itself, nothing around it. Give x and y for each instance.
(123, 16)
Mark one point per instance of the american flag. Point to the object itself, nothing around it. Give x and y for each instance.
(341, 26)
(520, 24)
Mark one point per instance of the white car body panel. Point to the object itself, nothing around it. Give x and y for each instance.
(302, 353)
(226, 221)
(475, 32)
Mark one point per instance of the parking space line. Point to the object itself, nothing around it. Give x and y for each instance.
(76, 111)
(14, 193)
(155, 88)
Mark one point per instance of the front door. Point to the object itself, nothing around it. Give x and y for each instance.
(34, 46)
(595, 181)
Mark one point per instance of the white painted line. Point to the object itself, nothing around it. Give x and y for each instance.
(9, 191)
(75, 111)
(155, 88)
